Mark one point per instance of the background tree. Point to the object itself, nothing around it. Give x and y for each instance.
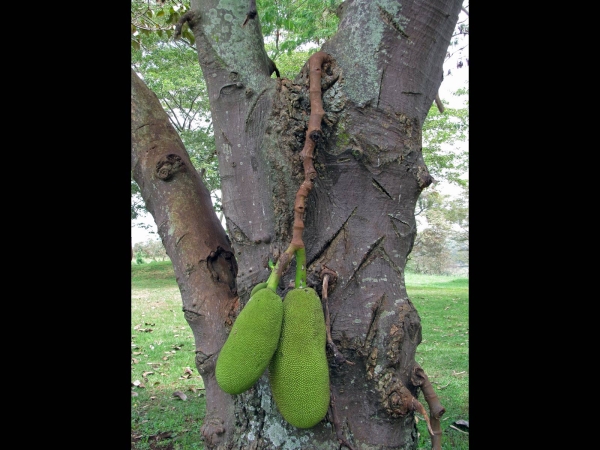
(441, 246)
(170, 68)
(137, 203)
(458, 214)
(380, 75)
(444, 135)
(150, 249)
(291, 24)
(442, 243)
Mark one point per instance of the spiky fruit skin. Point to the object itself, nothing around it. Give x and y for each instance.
(258, 287)
(251, 343)
(298, 372)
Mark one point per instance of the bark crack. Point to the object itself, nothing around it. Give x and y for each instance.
(237, 234)
(381, 188)
(372, 330)
(398, 234)
(387, 258)
(399, 220)
(251, 14)
(253, 106)
(380, 84)
(329, 241)
(180, 238)
(366, 256)
(334, 416)
(389, 18)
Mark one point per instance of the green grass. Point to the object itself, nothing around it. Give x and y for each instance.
(162, 359)
(157, 274)
(443, 305)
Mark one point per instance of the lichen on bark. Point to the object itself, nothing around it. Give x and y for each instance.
(359, 220)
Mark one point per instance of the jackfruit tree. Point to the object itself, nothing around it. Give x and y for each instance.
(320, 175)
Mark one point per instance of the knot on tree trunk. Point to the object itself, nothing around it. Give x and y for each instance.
(223, 267)
(399, 402)
(169, 166)
(211, 430)
(394, 396)
(205, 363)
(425, 179)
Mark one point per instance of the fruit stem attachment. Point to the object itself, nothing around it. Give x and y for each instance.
(300, 281)
(273, 280)
(282, 263)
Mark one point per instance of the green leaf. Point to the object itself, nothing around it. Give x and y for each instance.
(187, 34)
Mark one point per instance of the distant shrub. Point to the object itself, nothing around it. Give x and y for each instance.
(151, 249)
(139, 258)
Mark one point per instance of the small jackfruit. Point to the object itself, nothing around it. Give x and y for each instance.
(251, 343)
(258, 287)
(298, 372)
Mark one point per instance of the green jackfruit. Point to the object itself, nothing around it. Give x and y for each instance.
(251, 343)
(298, 372)
(258, 287)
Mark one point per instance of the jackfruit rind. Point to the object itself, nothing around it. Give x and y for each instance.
(298, 372)
(258, 287)
(251, 343)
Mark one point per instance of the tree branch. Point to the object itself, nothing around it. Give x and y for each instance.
(438, 102)
(189, 17)
(251, 14)
(436, 409)
(313, 134)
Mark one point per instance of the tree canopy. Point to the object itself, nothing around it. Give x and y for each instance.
(293, 30)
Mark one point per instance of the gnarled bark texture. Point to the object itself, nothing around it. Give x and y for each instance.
(193, 237)
(384, 71)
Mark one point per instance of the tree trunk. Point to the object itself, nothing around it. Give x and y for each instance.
(191, 233)
(383, 72)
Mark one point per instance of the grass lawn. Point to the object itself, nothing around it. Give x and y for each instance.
(168, 401)
(443, 305)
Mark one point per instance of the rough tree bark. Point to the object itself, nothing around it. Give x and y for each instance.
(192, 234)
(378, 83)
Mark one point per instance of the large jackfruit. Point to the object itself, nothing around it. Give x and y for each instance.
(251, 343)
(299, 373)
